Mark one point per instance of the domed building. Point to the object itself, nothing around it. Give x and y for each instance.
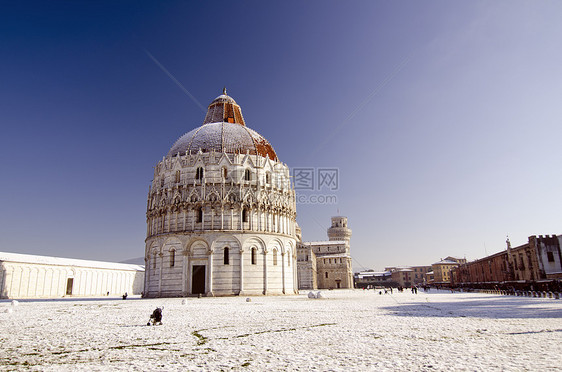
(221, 213)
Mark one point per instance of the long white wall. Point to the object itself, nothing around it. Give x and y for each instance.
(29, 280)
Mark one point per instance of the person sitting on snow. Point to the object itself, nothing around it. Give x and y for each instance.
(156, 317)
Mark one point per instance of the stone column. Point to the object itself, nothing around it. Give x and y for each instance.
(210, 273)
(193, 219)
(189, 274)
(295, 275)
(184, 274)
(265, 271)
(241, 214)
(160, 274)
(147, 271)
(241, 251)
(283, 270)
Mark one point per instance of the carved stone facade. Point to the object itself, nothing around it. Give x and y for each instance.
(327, 264)
(221, 213)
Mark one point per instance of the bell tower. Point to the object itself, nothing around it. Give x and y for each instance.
(339, 229)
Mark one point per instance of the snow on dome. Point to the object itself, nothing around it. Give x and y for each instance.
(223, 130)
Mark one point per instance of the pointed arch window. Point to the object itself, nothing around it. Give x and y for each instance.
(199, 173)
(268, 177)
(274, 256)
(226, 258)
(247, 175)
(253, 256)
(245, 215)
(199, 214)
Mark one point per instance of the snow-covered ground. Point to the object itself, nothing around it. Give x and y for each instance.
(349, 330)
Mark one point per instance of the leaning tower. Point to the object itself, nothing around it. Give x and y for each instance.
(339, 230)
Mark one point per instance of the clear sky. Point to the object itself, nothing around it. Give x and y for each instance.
(443, 118)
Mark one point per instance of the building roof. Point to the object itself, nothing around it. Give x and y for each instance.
(223, 130)
(446, 262)
(363, 274)
(327, 242)
(333, 255)
(59, 261)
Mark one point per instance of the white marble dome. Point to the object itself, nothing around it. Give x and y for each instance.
(221, 213)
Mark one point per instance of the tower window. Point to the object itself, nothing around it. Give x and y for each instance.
(178, 175)
(326, 275)
(199, 173)
(172, 258)
(550, 256)
(253, 253)
(274, 256)
(226, 256)
(247, 175)
(199, 214)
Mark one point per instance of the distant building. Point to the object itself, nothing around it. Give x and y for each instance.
(371, 278)
(538, 261)
(413, 275)
(30, 276)
(402, 277)
(327, 264)
(442, 272)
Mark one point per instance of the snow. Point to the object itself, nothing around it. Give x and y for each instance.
(346, 330)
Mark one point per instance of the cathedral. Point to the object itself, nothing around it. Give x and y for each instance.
(326, 264)
(221, 213)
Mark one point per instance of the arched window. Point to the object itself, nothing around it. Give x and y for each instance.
(326, 275)
(199, 214)
(224, 173)
(226, 260)
(199, 173)
(247, 175)
(244, 215)
(178, 176)
(172, 258)
(253, 252)
(268, 177)
(154, 262)
(274, 256)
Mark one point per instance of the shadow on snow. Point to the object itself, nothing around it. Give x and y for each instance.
(498, 307)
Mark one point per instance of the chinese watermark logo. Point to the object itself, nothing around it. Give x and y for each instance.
(307, 180)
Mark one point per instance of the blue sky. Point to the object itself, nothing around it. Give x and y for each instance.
(443, 118)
